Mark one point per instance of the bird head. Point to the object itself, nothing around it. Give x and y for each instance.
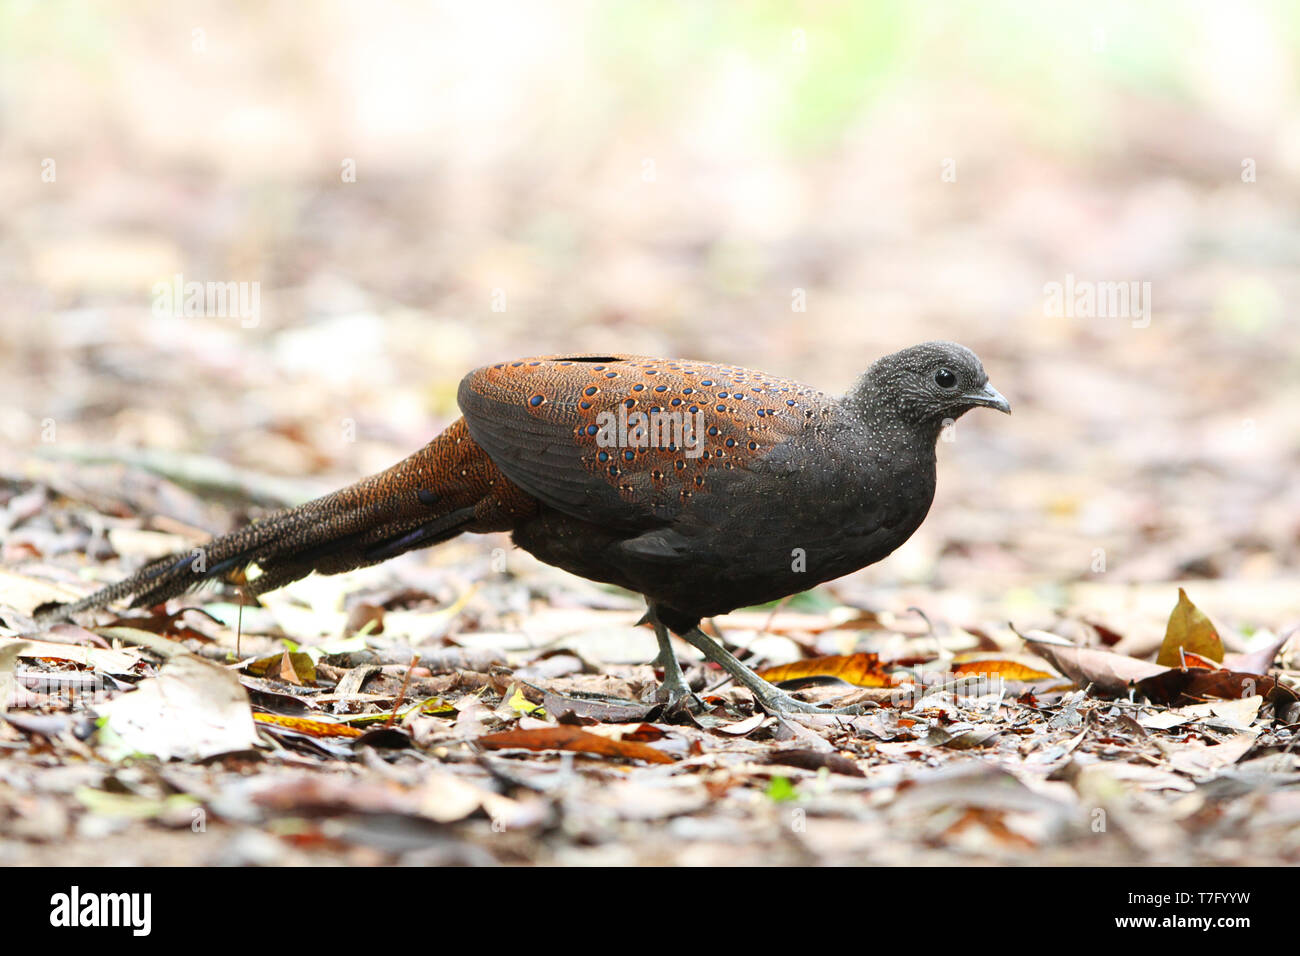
(927, 385)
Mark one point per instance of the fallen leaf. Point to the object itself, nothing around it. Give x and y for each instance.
(574, 739)
(312, 728)
(292, 667)
(610, 710)
(999, 667)
(1107, 673)
(1195, 685)
(1260, 660)
(193, 709)
(816, 760)
(1191, 631)
(742, 728)
(1234, 713)
(522, 705)
(109, 661)
(26, 594)
(1198, 759)
(160, 645)
(8, 660)
(861, 670)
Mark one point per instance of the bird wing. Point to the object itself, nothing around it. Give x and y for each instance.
(630, 441)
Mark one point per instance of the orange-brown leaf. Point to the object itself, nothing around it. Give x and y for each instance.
(575, 739)
(313, 728)
(861, 670)
(1007, 670)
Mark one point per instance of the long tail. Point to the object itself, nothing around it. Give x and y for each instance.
(448, 487)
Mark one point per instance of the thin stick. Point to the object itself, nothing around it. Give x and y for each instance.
(406, 682)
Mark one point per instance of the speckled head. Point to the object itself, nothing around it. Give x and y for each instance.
(926, 385)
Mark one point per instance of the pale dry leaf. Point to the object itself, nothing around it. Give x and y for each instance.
(98, 658)
(192, 710)
(1107, 673)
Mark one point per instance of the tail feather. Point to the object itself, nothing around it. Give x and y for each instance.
(448, 487)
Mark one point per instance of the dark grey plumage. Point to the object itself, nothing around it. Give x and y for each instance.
(775, 488)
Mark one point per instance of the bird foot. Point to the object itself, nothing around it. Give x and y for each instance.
(674, 692)
(780, 703)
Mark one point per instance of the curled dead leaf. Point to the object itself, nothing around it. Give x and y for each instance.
(1109, 674)
(574, 739)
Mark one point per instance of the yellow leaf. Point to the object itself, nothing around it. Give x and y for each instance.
(518, 702)
(313, 728)
(1191, 631)
(861, 670)
(294, 667)
(1006, 669)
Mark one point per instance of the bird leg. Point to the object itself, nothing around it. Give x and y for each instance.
(674, 690)
(772, 698)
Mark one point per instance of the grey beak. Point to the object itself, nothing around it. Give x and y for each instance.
(989, 397)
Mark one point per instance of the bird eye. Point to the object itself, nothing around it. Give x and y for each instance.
(944, 378)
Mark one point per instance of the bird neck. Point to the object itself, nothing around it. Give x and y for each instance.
(872, 403)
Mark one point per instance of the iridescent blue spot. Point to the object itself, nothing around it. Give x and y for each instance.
(753, 445)
(516, 364)
(603, 456)
(536, 400)
(598, 368)
(592, 429)
(661, 388)
(789, 401)
(651, 371)
(731, 442)
(707, 381)
(611, 374)
(760, 413)
(693, 409)
(534, 363)
(584, 404)
(713, 429)
(589, 390)
(722, 394)
(629, 403)
(687, 390)
(629, 454)
(613, 470)
(675, 402)
(638, 387)
(719, 408)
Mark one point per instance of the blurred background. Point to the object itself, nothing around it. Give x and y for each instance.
(419, 189)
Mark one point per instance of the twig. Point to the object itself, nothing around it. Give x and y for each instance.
(401, 696)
